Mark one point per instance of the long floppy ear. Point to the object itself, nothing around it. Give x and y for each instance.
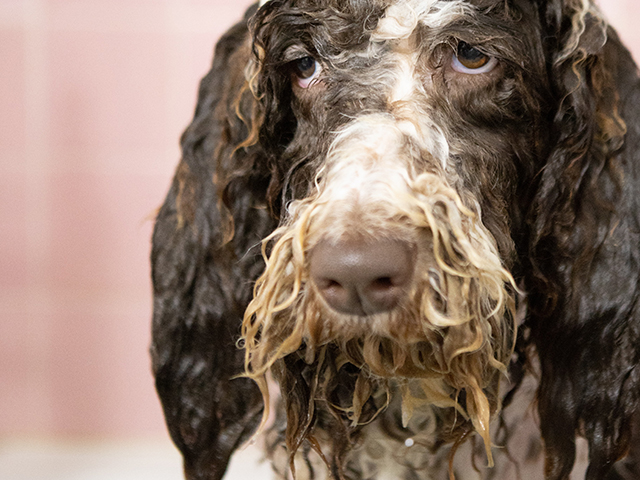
(584, 244)
(204, 263)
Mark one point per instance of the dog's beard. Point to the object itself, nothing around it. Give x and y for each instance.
(453, 333)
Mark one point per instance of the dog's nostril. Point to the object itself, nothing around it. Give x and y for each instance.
(360, 277)
(382, 283)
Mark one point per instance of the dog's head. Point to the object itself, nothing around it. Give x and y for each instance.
(407, 143)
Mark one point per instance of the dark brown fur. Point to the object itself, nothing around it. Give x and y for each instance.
(550, 154)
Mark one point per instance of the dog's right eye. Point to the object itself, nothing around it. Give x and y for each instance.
(469, 59)
(306, 69)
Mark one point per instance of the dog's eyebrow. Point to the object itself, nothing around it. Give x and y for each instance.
(295, 52)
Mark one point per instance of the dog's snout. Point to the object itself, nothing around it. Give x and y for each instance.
(360, 277)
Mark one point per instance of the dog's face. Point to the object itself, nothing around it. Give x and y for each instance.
(408, 131)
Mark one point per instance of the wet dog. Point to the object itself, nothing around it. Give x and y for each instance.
(445, 192)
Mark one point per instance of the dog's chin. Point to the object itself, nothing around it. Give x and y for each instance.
(392, 325)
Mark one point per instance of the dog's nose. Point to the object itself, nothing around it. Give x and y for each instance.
(361, 277)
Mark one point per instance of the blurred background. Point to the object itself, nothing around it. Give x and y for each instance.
(94, 95)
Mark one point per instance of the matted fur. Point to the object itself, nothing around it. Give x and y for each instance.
(523, 175)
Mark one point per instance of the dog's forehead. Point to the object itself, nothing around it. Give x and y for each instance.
(417, 3)
(403, 11)
(396, 19)
(403, 16)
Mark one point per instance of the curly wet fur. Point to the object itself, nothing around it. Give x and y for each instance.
(440, 352)
(535, 163)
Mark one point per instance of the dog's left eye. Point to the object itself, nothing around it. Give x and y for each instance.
(306, 69)
(469, 59)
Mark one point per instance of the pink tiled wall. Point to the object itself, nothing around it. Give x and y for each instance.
(93, 97)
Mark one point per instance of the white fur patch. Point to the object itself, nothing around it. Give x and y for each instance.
(365, 157)
(396, 28)
(383, 136)
(402, 18)
(406, 83)
(369, 157)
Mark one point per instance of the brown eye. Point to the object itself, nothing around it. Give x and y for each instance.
(469, 59)
(306, 69)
